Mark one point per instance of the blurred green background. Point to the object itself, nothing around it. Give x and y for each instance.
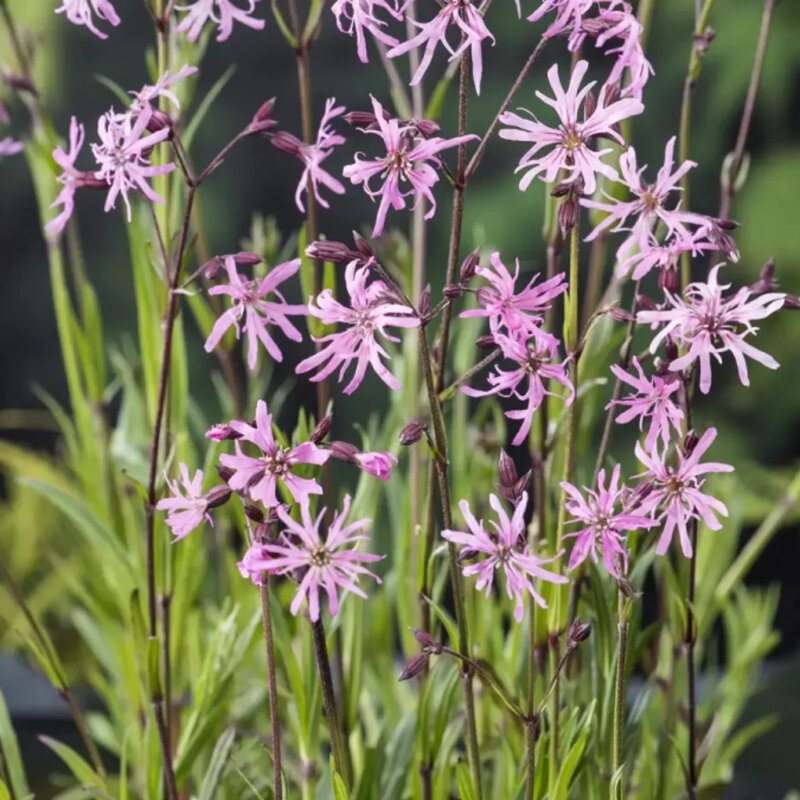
(760, 426)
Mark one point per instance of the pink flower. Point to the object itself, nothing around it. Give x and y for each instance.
(354, 17)
(254, 564)
(259, 475)
(378, 464)
(504, 547)
(123, 156)
(603, 524)
(406, 160)
(328, 563)
(185, 513)
(708, 325)
(517, 312)
(471, 30)
(250, 301)
(71, 178)
(526, 381)
(79, 12)
(147, 94)
(676, 492)
(369, 313)
(571, 140)
(664, 257)
(569, 14)
(312, 155)
(223, 13)
(649, 205)
(9, 147)
(653, 399)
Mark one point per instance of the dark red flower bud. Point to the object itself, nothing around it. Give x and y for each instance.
(668, 280)
(620, 314)
(414, 666)
(222, 433)
(360, 119)
(426, 127)
(262, 120)
(791, 303)
(427, 641)
(589, 105)
(412, 433)
(579, 632)
(766, 279)
(218, 496)
(507, 469)
(671, 349)
(226, 473)
(486, 342)
(611, 93)
(287, 143)
(253, 513)
(425, 302)
(513, 493)
(453, 291)
(158, 121)
(568, 215)
(337, 252)
(469, 266)
(644, 303)
(344, 451)
(322, 430)
(246, 259)
(690, 442)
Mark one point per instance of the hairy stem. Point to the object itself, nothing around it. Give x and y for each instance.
(618, 784)
(272, 688)
(730, 180)
(691, 634)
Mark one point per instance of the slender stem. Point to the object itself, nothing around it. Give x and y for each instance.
(729, 184)
(166, 755)
(80, 723)
(478, 154)
(618, 788)
(340, 759)
(530, 725)
(691, 634)
(272, 688)
(692, 75)
(447, 393)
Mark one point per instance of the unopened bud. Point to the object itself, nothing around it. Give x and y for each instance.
(226, 473)
(690, 442)
(486, 342)
(262, 120)
(158, 121)
(589, 105)
(344, 451)
(507, 469)
(469, 266)
(427, 641)
(703, 40)
(414, 666)
(322, 430)
(561, 189)
(360, 119)
(245, 259)
(620, 314)
(253, 513)
(579, 631)
(766, 279)
(668, 280)
(671, 349)
(513, 493)
(426, 127)
(412, 433)
(425, 302)
(791, 303)
(453, 291)
(644, 303)
(337, 252)
(222, 432)
(287, 143)
(611, 93)
(567, 215)
(218, 496)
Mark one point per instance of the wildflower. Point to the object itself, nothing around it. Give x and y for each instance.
(122, 156)
(603, 524)
(259, 475)
(369, 313)
(71, 178)
(571, 139)
(653, 399)
(254, 563)
(9, 147)
(649, 205)
(502, 548)
(664, 257)
(80, 12)
(143, 99)
(185, 512)
(526, 381)
(517, 312)
(676, 492)
(406, 159)
(312, 155)
(471, 28)
(378, 464)
(569, 14)
(354, 17)
(250, 301)
(707, 325)
(329, 563)
(223, 13)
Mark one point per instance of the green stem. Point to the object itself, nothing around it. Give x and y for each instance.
(272, 687)
(618, 783)
(692, 75)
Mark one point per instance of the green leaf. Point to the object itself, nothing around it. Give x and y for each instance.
(205, 105)
(339, 788)
(216, 767)
(77, 766)
(466, 785)
(569, 766)
(13, 759)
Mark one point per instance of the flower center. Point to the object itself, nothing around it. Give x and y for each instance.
(278, 462)
(650, 201)
(572, 140)
(320, 556)
(504, 553)
(674, 485)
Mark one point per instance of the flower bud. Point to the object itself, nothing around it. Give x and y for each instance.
(672, 350)
(766, 279)
(222, 432)
(589, 105)
(486, 342)
(414, 666)
(427, 641)
(562, 189)
(226, 473)
(469, 266)
(253, 513)
(620, 314)
(344, 451)
(579, 631)
(513, 493)
(287, 143)
(363, 246)
(611, 93)
(644, 303)
(360, 119)
(453, 291)
(425, 302)
(507, 469)
(690, 442)
(412, 433)
(262, 120)
(322, 430)
(158, 121)
(337, 252)
(426, 127)
(246, 259)
(668, 279)
(568, 215)
(218, 496)
(791, 303)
